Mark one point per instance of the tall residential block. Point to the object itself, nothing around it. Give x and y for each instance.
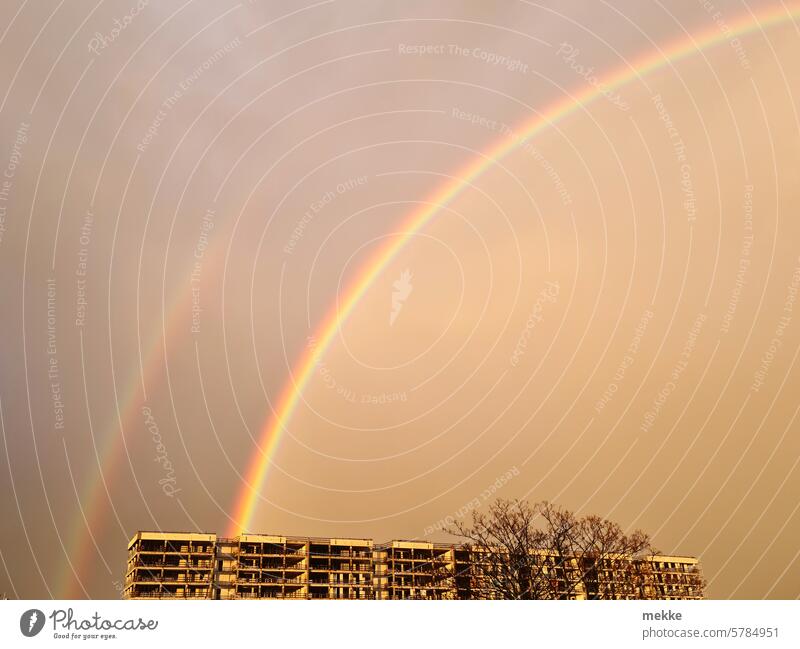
(175, 565)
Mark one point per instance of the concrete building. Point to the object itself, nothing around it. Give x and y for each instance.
(177, 565)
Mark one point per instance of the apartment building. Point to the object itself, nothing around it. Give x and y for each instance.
(250, 566)
(170, 565)
(298, 568)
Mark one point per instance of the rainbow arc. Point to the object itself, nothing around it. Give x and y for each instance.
(277, 422)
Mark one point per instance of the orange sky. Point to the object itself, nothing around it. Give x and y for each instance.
(608, 315)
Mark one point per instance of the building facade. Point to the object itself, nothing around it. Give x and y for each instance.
(169, 565)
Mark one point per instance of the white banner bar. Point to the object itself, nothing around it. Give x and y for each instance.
(333, 624)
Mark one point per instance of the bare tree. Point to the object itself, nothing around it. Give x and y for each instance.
(501, 562)
(605, 554)
(558, 545)
(521, 551)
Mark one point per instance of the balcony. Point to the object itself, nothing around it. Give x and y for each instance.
(276, 596)
(174, 579)
(180, 565)
(163, 595)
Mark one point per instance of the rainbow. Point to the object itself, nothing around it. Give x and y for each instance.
(276, 423)
(109, 459)
(111, 453)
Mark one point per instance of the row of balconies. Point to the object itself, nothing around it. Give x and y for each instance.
(324, 551)
(351, 566)
(154, 570)
(316, 549)
(381, 569)
(161, 593)
(157, 579)
(344, 554)
(276, 595)
(165, 553)
(667, 578)
(269, 550)
(182, 564)
(278, 581)
(301, 595)
(419, 555)
(166, 546)
(246, 564)
(255, 569)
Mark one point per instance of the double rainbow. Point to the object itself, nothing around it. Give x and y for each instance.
(111, 453)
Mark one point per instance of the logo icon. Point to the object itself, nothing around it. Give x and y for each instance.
(402, 289)
(31, 622)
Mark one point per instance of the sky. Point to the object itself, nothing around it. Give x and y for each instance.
(358, 269)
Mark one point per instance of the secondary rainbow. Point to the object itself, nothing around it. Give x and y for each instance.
(109, 459)
(276, 423)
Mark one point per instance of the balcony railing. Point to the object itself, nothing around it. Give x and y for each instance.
(172, 579)
(170, 564)
(277, 596)
(168, 596)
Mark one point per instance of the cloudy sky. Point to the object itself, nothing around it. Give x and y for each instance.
(599, 308)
